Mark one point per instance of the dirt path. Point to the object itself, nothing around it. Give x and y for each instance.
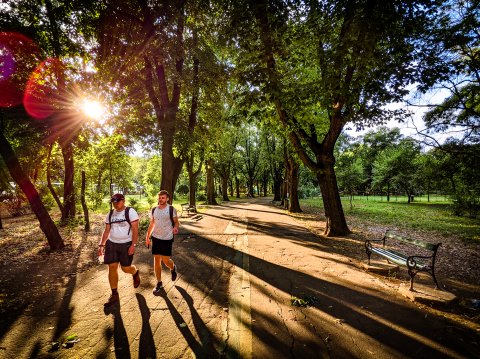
(240, 266)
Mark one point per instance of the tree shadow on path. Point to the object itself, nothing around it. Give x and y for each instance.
(396, 325)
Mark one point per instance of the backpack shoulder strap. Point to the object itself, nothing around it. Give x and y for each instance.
(170, 211)
(153, 210)
(110, 216)
(127, 218)
(127, 214)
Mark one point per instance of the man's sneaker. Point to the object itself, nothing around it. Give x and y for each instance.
(174, 273)
(136, 279)
(158, 289)
(114, 298)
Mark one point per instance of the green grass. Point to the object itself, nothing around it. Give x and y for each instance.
(435, 216)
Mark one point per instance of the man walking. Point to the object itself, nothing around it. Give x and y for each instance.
(118, 243)
(163, 226)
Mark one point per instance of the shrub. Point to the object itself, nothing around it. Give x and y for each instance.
(133, 202)
(182, 189)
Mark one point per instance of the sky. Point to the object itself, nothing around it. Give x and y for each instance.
(415, 124)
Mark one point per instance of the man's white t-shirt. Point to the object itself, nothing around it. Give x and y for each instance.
(163, 225)
(119, 227)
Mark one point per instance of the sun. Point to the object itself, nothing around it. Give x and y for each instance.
(92, 109)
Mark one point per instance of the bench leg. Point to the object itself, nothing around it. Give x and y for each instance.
(412, 274)
(369, 252)
(435, 280)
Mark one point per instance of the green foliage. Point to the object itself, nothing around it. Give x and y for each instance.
(152, 176)
(308, 191)
(397, 166)
(48, 200)
(133, 202)
(434, 216)
(466, 202)
(143, 225)
(182, 189)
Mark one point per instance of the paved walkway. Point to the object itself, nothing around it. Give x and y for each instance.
(240, 265)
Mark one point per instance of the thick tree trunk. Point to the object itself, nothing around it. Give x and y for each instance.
(47, 226)
(84, 203)
(277, 186)
(171, 165)
(225, 189)
(68, 189)
(210, 183)
(336, 223)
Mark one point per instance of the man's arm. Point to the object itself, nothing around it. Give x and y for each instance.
(103, 240)
(149, 231)
(176, 226)
(134, 224)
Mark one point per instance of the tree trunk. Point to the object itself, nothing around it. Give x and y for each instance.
(265, 184)
(230, 187)
(47, 226)
(277, 186)
(210, 183)
(68, 189)
(192, 177)
(84, 204)
(336, 224)
(171, 165)
(294, 174)
(225, 189)
(49, 183)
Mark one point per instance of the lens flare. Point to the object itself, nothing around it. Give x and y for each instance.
(18, 57)
(42, 94)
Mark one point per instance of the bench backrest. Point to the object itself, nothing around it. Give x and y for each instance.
(417, 242)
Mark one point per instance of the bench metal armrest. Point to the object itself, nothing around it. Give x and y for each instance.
(412, 261)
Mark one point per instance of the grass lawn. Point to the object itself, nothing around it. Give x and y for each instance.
(435, 215)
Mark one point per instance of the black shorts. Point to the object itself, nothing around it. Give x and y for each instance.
(162, 247)
(118, 252)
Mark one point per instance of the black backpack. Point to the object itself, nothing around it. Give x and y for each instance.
(170, 212)
(127, 218)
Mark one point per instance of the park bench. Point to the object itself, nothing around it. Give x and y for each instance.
(188, 208)
(414, 263)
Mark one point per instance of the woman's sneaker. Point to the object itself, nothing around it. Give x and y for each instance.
(174, 273)
(158, 289)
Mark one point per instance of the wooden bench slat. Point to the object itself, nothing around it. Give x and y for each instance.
(414, 263)
(391, 256)
(416, 242)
